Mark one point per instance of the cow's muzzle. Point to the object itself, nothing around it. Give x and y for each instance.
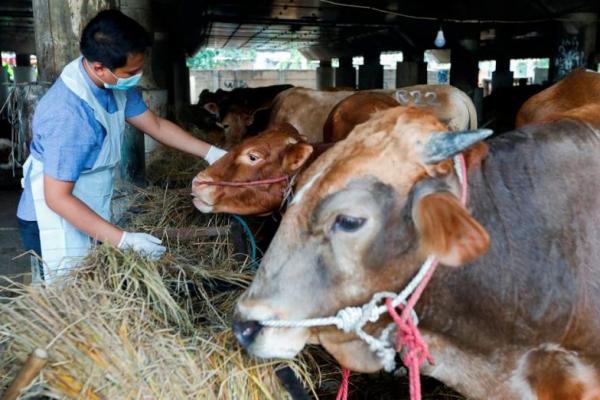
(246, 331)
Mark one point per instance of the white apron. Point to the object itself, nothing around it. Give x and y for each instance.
(63, 245)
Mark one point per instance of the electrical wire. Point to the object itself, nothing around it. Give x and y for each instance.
(422, 18)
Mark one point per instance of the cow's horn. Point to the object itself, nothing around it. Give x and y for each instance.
(442, 146)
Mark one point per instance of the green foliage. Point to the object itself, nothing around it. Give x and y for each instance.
(221, 58)
(215, 59)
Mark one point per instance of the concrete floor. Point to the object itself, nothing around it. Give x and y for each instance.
(10, 241)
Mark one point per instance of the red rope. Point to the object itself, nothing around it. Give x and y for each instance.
(238, 184)
(343, 390)
(408, 335)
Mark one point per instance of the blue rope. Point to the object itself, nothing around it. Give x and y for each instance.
(248, 233)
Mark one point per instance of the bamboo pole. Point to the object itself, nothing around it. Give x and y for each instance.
(34, 364)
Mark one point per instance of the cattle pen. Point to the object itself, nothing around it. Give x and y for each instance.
(299, 199)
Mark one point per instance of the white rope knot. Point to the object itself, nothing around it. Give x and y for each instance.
(349, 319)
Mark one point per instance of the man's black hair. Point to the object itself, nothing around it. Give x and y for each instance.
(110, 37)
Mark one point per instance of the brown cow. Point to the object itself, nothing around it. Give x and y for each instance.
(280, 151)
(513, 312)
(354, 110)
(580, 88)
(306, 110)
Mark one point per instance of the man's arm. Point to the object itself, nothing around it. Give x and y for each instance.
(169, 134)
(60, 199)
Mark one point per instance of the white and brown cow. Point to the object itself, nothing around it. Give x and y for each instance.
(307, 110)
(513, 312)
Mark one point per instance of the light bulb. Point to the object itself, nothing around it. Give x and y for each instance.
(440, 40)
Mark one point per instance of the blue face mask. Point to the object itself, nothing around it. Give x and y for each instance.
(123, 83)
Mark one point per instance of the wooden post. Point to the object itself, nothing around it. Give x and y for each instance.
(58, 26)
(34, 364)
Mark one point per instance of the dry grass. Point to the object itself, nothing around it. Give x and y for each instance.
(168, 167)
(125, 327)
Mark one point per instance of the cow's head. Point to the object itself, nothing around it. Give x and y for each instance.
(236, 121)
(366, 215)
(280, 151)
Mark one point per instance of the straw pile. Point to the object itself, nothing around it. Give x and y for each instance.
(125, 327)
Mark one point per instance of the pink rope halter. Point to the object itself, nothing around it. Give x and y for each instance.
(243, 184)
(408, 335)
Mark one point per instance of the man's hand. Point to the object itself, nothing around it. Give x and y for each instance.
(143, 243)
(214, 153)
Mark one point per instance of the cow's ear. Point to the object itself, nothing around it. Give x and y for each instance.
(212, 108)
(295, 156)
(448, 231)
(249, 118)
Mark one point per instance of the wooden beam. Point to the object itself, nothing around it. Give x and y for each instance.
(192, 232)
(58, 26)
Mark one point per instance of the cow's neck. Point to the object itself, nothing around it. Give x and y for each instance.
(536, 275)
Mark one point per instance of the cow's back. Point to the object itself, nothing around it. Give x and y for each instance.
(306, 110)
(450, 105)
(578, 89)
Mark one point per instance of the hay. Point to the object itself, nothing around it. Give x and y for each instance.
(168, 167)
(124, 327)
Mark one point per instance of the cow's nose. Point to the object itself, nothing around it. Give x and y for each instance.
(246, 331)
(200, 180)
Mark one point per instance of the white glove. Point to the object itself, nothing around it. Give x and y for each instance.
(143, 243)
(214, 153)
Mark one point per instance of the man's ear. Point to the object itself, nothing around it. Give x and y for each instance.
(448, 231)
(295, 156)
(212, 108)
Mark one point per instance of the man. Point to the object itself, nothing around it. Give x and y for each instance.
(77, 131)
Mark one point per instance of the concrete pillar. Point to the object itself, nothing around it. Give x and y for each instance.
(464, 70)
(502, 76)
(410, 73)
(23, 71)
(370, 74)
(141, 12)
(324, 75)
(345, 74)
(58, 26)
(576, 43)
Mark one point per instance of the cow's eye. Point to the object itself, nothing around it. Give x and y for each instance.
(346, 223)
(253, 157)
